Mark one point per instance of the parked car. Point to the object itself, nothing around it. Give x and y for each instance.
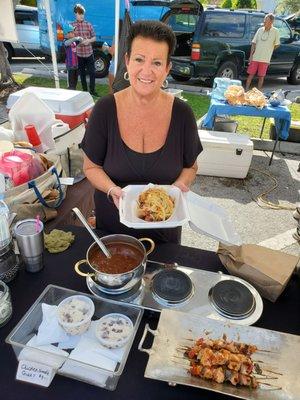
(294, 21)
(216, 42)
(28, 33)
(101, 17)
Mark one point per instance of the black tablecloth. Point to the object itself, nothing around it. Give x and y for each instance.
(283, 316)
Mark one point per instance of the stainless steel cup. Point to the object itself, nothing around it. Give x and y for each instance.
(30, 239)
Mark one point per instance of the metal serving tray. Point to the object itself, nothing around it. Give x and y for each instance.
(176, 329)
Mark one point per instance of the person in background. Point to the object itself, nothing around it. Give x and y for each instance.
(85, 54)
(111, 71)
(265, 41)
(129, 140)
(70, 43)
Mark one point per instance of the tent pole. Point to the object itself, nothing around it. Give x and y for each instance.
(52, 44)
(117, 17)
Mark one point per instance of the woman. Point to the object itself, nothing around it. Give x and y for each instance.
(141, 134)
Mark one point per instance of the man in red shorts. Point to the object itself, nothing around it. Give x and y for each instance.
(265, 41)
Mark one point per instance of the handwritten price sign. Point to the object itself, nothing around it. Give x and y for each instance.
(32, 372)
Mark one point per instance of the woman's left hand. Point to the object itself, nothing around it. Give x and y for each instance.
(116, 194)
(182, 186)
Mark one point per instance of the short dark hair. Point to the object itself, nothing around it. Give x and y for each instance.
(270, 16)
(79, 9)
(156, 30)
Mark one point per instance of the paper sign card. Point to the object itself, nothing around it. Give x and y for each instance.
(36, 373)
(67, 181)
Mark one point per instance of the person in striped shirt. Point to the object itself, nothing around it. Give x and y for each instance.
(85, 54)
(70, 43)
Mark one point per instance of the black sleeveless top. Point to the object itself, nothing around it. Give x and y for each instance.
(103, 145)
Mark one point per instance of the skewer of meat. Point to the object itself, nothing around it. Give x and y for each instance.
(209, 358)
(233, 347)
(222, 374)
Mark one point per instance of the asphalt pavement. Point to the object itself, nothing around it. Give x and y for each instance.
(193, 85)
(269, 227)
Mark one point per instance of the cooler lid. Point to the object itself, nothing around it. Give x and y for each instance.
(224, 138)
(61, 101)
(211, 220)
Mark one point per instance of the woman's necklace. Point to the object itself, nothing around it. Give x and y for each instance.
(265, 36)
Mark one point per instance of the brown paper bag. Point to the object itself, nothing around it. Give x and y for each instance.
(267, 270)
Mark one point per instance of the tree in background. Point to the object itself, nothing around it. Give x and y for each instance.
(244, 4)
(226, 4)
(28, 3)
(288, 6)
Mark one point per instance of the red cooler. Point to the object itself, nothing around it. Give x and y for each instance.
(70, 106)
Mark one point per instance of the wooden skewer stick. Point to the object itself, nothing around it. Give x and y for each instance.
(181, 365)
(267, 377)
(274, 387)
(273, 372)
(266, 351)
(181, 357)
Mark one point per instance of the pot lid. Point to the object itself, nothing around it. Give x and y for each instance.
(211, 220)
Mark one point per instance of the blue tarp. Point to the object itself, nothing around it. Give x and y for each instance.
(281, 115)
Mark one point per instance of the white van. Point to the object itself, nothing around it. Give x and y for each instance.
(27, 25)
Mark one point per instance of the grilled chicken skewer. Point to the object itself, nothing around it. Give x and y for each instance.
(221, 360)
(222, 374)
(233, 347)
(209, 358)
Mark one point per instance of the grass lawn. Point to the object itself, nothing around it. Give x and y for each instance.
(199, 104)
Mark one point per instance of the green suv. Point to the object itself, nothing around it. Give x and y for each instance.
(216, 42)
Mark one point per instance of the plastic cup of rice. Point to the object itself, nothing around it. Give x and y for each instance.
(114, 330)
(75, 313)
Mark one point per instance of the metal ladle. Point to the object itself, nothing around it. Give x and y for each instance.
(91, 232)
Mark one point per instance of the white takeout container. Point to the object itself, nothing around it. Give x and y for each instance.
(202, 215)
(109, 343)
(76, 328)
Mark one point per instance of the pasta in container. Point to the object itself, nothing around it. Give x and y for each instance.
(153, 206)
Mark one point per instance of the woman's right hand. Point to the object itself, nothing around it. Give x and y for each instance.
(115, 194)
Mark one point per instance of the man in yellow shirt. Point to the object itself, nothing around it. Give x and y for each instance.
(265, 41)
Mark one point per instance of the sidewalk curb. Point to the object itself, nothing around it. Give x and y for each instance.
(282, 146)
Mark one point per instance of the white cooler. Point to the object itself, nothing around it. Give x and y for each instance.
(224, 154)
(70, 106)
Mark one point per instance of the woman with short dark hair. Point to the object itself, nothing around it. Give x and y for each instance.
(141, 134)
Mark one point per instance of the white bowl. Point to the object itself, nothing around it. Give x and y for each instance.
(114, 330)
(75, 313)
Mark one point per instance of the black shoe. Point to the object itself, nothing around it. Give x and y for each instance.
(95, 94)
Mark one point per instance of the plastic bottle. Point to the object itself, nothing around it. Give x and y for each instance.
(5, 236)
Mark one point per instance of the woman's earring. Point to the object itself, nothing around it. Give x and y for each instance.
(165, 84)
(126, 76)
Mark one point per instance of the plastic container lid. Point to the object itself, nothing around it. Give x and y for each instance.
(75, 313)
(60, 101)
(114, 330)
